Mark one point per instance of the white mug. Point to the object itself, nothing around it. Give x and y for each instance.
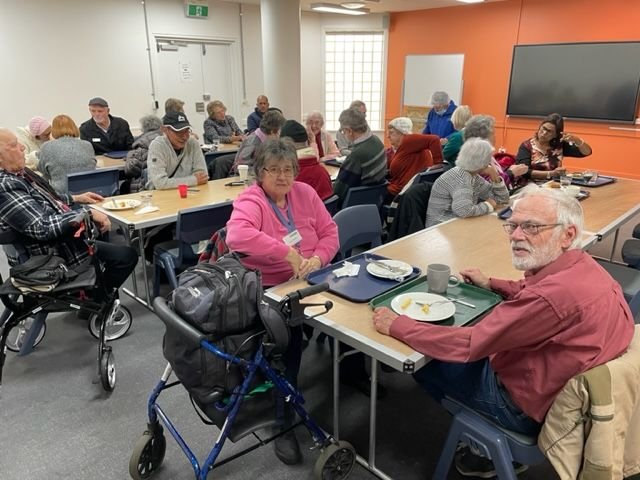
(439, 278)
(243, 171)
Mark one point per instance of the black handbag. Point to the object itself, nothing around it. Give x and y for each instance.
(42, 270)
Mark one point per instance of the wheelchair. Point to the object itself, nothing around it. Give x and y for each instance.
(23, 322)
(243, 411)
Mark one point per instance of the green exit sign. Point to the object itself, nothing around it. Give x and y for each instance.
(201, 11)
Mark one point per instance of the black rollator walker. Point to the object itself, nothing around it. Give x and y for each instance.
(244, 410)
(22, 324)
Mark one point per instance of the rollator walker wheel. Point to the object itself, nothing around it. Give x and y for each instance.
(148, 454)
(335, 462)
(116, 327)
(16, 337)
(107, 370)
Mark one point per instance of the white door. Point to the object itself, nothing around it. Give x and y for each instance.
(197, 74)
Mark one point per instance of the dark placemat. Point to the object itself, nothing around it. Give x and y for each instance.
(484, 300)
(600, 181)
(362, 288)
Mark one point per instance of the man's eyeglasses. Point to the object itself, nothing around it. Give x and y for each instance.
(529, 229)
(275, 171)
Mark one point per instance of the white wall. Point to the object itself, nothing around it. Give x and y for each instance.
(313, 27)
(57, 55)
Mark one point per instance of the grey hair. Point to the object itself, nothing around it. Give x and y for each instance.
(149, 123)
(353, 119)
(475, 155)
(440, 98)
(567, 207)
(314, 114)
(271, 122)
(479, 126)
(275, 149)
(461, 116)
(357, 104)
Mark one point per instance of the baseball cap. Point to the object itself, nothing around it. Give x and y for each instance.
(98, 101)
(177, 121)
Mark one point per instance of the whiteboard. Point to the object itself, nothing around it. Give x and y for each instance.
(425, 74)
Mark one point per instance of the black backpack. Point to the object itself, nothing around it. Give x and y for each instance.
(221, 300)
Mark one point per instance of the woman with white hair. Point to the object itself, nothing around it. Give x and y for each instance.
(461, 191)
(136, 161)
(409, 154)
(454, 142)
(327, 148)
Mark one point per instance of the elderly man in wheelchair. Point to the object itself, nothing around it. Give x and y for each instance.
(38, 225)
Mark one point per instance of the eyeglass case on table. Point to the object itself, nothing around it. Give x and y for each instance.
(364, 286)
(484, 300)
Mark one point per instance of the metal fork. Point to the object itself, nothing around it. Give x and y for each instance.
(431, 303)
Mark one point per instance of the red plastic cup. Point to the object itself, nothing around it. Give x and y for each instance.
(182, 190)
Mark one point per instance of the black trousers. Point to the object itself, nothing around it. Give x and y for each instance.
(119, 261)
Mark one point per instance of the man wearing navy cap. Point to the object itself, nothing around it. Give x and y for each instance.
(105, 132)
(175, 157)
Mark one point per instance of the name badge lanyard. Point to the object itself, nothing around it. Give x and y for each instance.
(287, 222)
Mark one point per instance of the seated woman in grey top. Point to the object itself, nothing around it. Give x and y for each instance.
(461, 191)
(66, 153)
(220, 126)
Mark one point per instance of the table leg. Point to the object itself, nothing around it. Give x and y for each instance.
(615, 244)
(144, 270)
(336, 387)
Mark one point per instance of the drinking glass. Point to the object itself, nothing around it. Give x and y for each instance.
(590, 176)
(565, 181)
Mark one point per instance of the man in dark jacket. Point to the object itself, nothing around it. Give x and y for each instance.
(253, 120)
(105, 132)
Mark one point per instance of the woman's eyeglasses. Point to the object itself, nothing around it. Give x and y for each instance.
(529, 229)
(275, 171)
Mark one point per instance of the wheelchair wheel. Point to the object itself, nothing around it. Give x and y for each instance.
(116, 328)
(16, 337)
(147, 455)
(335, 462)
(107, 370)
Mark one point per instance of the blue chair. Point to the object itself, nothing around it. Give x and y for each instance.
(332, 204)
(631, 252)
(358, 225)
(496, 443)
(193, 225)
(105, 181)
(365, 195)
(627, 277)
(430, 174)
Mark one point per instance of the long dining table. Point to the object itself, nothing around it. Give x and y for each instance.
(459, 243)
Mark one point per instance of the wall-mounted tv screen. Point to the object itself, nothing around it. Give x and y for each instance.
(591, 81)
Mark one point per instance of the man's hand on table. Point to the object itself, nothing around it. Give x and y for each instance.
(87, 197)
(201, 177)
(475, 277)
(382, 319)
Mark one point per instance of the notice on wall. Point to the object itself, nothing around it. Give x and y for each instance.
(186, 72)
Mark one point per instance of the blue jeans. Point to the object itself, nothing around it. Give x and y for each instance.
(476, 386)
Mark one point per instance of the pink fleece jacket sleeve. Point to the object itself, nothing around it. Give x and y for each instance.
(244, 233)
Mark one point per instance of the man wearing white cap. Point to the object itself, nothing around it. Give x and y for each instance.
(175, 157)
(409, 154)
(104, 131)
(32, 137)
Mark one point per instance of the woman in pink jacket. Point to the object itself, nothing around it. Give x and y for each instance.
(286, 232)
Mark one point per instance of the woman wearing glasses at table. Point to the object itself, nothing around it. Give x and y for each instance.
(543, 153)
(286, 232)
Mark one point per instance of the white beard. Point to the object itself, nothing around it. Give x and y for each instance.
(538, 257)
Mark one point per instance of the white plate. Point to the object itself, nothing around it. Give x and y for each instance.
(437, 312)
(124, 204)
(404, 269)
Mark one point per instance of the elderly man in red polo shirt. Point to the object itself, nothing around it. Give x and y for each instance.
(565, 317)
